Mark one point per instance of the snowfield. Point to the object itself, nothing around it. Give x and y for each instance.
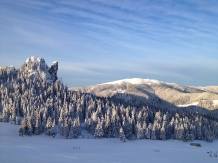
(45, 149)
(214, 103)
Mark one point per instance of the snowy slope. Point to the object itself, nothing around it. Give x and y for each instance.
(45, 149)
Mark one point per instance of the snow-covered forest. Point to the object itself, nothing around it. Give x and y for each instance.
(34, 98)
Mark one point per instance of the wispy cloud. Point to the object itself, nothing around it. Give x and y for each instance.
(119, 38)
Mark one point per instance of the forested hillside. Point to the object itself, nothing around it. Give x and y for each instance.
(34, 98)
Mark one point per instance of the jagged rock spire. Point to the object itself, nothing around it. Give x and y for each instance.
(34, 67)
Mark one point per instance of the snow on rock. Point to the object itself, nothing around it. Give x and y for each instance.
(36, 66)
(53, 70)
(35, 63)
(34, 59)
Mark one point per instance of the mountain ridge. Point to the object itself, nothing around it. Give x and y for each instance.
(172, 92)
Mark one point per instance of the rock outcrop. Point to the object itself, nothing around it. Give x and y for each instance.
(33, 67)
(53, 70)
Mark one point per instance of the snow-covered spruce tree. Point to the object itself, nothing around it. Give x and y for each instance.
(108, 127)
(180, 132)
(49, 126)
(186, 133)
(128, 128)
(23, 127)
(144, 128)
(140, 131)
(18, 120)
(122, 135)
(148, 131)
(99, 131)
(66, 128)
(29, 126)
(191, 133)
(26, 127)
(153, 132)
(163, 133)
(37, 127)
(115, 123)
(94, 122)
(76, 128)
(71, 134)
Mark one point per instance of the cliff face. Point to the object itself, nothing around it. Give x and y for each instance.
(53, 70)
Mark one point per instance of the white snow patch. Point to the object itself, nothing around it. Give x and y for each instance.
(215, 102)
(119, 91)
(186, 105)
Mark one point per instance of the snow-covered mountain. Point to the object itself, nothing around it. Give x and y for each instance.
(174, 93)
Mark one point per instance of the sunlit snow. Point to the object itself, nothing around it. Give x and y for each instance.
(45, 149)
(215, 102)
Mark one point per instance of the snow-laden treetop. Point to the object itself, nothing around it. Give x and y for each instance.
(137, 81)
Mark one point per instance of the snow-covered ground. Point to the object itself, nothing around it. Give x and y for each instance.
(186, 105)
(45, 149)
(215, 102)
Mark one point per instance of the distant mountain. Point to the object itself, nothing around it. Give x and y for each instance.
(176, 94)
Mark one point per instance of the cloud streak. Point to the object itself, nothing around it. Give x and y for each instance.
(166, 40)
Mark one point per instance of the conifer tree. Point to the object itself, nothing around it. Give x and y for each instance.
(163, 133)
(99, 131)
(122, 135)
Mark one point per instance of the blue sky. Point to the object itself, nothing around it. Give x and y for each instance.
(98, 41)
